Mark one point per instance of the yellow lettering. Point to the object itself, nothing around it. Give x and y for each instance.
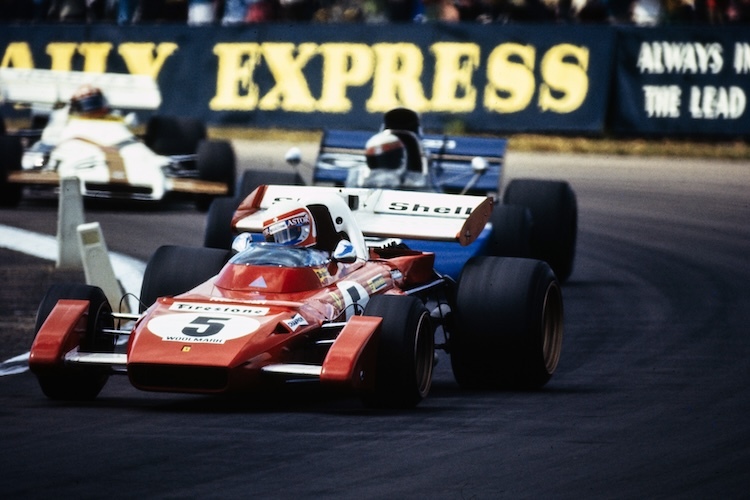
(95, 56)
(510, 78)
(396, 81)
(454, 68)
(344, 65)
(291, 92)
(235, 88)
(17, 55)
(61, 55)
(566, 66)
(141, 59)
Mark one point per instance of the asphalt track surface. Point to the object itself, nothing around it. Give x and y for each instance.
(650, 398)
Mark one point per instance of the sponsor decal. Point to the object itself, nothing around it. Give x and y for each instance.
(295, 322)
(201, 328)
(203, 307)
(322, 274)
(426, 204)
(424, 209)
(337, 299)
(376, 283)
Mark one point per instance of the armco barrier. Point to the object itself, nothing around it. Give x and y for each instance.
(490, 78)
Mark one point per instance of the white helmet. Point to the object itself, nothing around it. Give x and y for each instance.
(320, 222)
(290, 223)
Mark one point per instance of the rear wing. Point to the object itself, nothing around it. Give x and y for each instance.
(382, 213)
(449, 159)
(45, 88)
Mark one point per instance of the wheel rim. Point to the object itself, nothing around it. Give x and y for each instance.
(424, 356)
(552, 327)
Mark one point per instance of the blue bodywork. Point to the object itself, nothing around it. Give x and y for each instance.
(449, 159)
(450, 171)
(450, 257)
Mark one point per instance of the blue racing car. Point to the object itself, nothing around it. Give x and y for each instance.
(531, 218)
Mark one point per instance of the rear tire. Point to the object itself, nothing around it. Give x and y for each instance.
(172, 270)
(11, 154)
(406, 352)
(511, 231)
(251, 179)
(216, 162)
(78, 383)
(170, 135)
(554, 211)
(218, 233)
(508, 326)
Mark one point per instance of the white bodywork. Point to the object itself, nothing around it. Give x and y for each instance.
(46, 88)
(97, 151)
(386, 213)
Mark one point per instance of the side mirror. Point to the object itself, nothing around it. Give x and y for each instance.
(344, 252)
(241, 242)
(294, 156)
(479, 165)
(131, 120)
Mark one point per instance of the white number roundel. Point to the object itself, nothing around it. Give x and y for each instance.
(353, 293)
(202, 328)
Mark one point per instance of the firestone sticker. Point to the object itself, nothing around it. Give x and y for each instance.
(200, 307)
(202, 328)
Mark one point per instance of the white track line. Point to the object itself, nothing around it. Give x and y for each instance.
(129, 272)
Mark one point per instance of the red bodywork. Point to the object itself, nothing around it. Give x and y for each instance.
(252, 324)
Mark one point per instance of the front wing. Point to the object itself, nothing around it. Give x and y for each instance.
(349, 363)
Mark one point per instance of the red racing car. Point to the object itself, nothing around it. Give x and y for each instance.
(317, 288)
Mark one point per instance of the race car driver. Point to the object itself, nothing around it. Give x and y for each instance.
(387, 164)
(89, 102)
(324, 223)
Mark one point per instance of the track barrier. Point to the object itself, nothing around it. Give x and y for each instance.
(69, 217)
(97, 265)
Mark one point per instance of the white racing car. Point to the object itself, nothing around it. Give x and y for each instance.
(534, 218)
(75, 132)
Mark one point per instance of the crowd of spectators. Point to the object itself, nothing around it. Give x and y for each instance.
(237, 12)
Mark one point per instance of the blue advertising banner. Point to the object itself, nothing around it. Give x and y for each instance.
(491, 78)
(682, 81)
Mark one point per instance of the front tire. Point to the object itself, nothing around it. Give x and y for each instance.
(78, 383)
(405, 354)
(508, 326)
